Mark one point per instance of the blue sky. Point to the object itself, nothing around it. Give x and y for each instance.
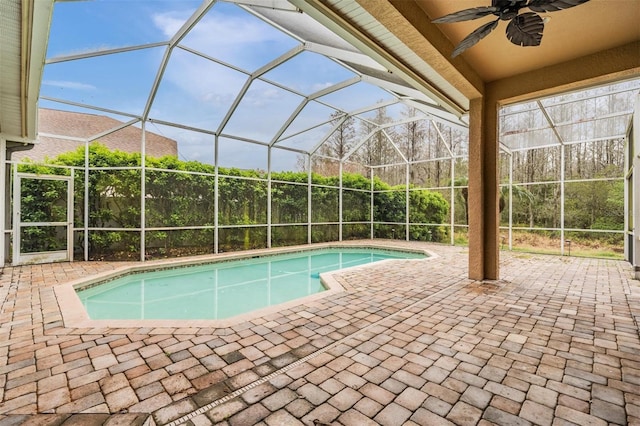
(194, 91)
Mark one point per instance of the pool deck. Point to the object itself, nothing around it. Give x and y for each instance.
(554, 342)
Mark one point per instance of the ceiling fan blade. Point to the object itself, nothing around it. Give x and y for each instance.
(503, 4)
(553, 5)
(526, 29)
(474, 37)
(466, 15)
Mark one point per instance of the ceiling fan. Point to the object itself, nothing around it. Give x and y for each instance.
(525, 29)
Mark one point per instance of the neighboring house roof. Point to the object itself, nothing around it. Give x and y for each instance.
(55, 125)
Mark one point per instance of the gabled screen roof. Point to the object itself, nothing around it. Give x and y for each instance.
(259, 71)
(264, 72)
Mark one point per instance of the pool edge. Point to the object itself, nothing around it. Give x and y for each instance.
(74, 314)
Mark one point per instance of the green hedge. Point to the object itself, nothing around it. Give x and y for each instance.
(175, 199)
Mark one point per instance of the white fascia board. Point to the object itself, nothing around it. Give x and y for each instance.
(14, 138)
(35, 37)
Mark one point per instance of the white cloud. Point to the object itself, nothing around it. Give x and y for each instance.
(316, 87)
(169, 22)
(202, 81)
(215, 98)
(209, 88)
(224, 32)
(69, 85)
(236, 38)
(263, 97)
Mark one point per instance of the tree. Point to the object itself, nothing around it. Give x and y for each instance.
(519, 192)
(377, 149)
(412, 138)
(336, 146)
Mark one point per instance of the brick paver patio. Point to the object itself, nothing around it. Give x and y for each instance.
(555, 342)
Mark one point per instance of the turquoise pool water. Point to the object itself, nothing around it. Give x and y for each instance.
(224, 289)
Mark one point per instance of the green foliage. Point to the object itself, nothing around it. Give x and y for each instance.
(356, 231)
(595, 205)
(180, 194)
(425, 207)
(43, 201)
(325, 204)
(428, 207)
(324, 233)
(288, 203)
(354, 181)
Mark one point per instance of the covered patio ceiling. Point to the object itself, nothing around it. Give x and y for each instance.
(594, 43)
(592, 27)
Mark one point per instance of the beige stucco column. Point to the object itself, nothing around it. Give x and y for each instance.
(484, 218)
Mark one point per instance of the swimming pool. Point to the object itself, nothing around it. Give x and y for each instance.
(224, 289)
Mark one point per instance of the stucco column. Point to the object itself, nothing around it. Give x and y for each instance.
(484, 219)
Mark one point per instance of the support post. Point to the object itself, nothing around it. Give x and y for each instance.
(510, 201)
(372, 206)
(16, 217)
(216, 195)
(143, 192)
(340, 200)
(562, 172)
(452, 203)
(86, 201)
(5, 211)
(408, 203)
(484, 219)
(309, 204)
(269, 197)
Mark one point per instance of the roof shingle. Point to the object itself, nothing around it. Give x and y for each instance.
(55, 125)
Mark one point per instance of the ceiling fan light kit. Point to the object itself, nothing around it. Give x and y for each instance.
(524, 29)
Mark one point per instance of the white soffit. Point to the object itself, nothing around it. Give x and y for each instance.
(24, 31)
(10, 66)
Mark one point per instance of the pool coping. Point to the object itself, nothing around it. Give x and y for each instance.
(74, 314)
